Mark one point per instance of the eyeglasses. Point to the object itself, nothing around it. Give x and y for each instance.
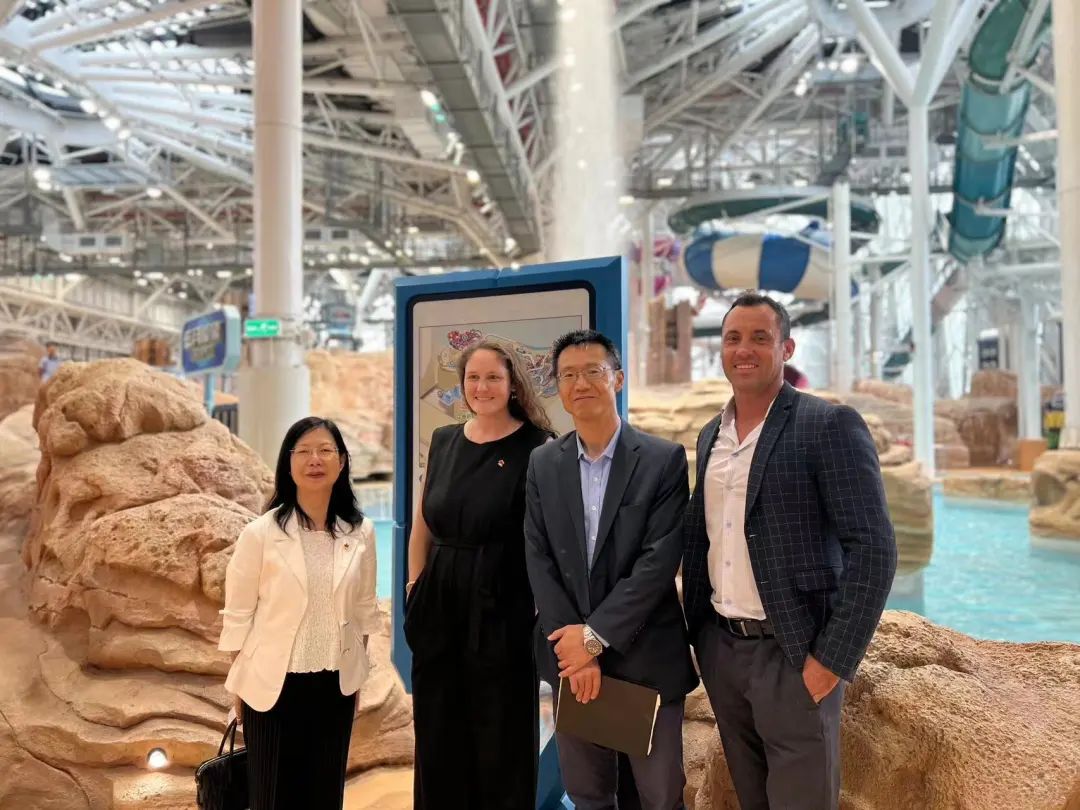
(592, 374)
(324, 453)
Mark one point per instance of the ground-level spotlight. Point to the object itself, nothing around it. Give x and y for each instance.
(157, 758)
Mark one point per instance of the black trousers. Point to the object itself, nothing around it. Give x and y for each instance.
(298, 750)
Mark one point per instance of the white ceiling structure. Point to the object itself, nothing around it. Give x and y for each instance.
(428, 137)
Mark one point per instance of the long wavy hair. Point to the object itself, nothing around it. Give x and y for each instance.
(343, 505)
(524, 403)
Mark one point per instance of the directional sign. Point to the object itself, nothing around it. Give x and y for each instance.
(259, 328)
(211, 342)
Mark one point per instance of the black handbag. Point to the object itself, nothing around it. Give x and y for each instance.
(221, 783)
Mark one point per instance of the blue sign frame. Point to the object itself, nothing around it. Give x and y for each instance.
(221, 330)
(605, 279)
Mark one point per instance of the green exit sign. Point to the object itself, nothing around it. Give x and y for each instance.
(255, 328)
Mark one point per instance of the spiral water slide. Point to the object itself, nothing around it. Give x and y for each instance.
(992, 112)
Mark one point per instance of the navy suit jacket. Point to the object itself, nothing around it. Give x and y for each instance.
(629, 597)
(817, 527)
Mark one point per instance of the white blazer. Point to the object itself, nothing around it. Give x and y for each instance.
(266, 595)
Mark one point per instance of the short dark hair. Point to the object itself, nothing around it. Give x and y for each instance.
(584, 337)
(284, 501)
(752, 299)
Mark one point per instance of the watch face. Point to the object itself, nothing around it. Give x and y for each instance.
(593, 647)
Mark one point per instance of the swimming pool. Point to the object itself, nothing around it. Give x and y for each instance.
(987, 580)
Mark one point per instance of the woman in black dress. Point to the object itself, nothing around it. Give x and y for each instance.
(469, 610)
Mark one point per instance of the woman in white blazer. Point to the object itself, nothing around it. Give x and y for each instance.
(299, 607)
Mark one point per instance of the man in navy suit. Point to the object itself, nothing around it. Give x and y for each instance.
(790, 555)
(604, 508)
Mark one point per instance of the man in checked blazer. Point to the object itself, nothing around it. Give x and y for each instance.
(789, 558)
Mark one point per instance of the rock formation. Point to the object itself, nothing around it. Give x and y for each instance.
(139, 497)
(19, 378)
(357, 392)
(1055, 485)
(18, 466)
(1003, 485)
(935, 719)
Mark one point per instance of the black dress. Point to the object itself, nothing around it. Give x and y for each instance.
(468, 621)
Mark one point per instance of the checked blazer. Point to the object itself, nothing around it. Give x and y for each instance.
(817, 527)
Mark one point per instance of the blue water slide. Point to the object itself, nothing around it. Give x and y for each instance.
(990, 108)
(723, 259)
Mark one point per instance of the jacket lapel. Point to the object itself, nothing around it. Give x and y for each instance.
(345, 548)
(770, 432)
(570, 482)
(622, 468)
(290, 548)
(709, 439)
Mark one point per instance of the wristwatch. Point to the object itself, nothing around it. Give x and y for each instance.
(592, 644)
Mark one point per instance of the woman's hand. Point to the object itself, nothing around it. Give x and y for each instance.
(238, 709)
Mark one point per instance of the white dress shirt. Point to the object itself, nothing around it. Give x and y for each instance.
(735, 592)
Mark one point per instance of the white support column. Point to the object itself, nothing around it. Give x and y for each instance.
(923, 361)
(841, 266)
(275, 387)
(647, 276)
(1027, 356)
(1066, 64)
(875, 322)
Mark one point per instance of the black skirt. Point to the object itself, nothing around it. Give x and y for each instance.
(298, 750)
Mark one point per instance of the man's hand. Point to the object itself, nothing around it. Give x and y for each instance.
(570, 649)
(585, 684)
(819, 681)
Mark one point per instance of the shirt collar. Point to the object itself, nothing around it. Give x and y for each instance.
(727, 416)
(609, 451)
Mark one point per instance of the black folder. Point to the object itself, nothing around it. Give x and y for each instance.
(621, 718)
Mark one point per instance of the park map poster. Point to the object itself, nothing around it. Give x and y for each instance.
(527, 323)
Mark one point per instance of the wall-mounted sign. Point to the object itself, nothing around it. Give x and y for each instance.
(210, 343)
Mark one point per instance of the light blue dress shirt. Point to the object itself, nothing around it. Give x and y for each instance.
(594, 481)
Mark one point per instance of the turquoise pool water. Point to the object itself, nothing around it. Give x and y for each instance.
(987, 580)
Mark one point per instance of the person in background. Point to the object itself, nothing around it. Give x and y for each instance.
(795, 378)
(790, 555)
(603, 525)
(48, 364)
(469, 611)
(300, 606)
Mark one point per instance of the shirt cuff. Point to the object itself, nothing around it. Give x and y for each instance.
(598, 637)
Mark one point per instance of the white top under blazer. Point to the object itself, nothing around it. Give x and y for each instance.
(266, 595)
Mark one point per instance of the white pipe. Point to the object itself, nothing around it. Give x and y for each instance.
(1028, 389)
(934, 52)
(1066, 16)
(896, 72)
(197, 212)
(646, 278)
(275, 385)
(841, 266)
(920, 279)
(875, 322)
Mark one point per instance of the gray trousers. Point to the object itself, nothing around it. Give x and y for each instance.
(590, 772)
(783, 750)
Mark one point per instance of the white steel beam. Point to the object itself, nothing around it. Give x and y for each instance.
(92, 31)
